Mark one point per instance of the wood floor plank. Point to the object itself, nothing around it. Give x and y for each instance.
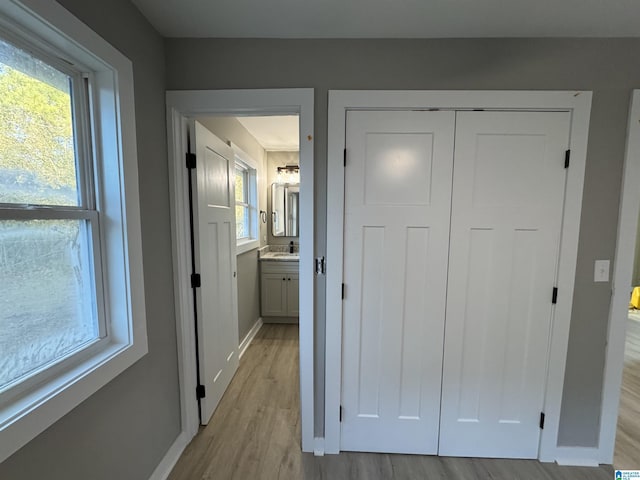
(255, 434)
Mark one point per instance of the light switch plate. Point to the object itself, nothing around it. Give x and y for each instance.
(601, 271)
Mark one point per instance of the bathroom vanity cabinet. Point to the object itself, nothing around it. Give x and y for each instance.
(279, 290)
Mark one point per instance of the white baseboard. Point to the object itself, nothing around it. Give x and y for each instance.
(577, 456)
(318, 446)
(246, 341)
(170, 459)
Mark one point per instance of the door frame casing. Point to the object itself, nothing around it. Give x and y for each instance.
(185, 104)
(621, 284)
(341, 101)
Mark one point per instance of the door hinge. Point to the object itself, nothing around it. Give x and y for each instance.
(191, 160)
(341, 413)
(200, 392)
(554, 295)
(195, 280)
(320, 266)
(343, 291)
(567, 157)
(541, 420)
(345, 157)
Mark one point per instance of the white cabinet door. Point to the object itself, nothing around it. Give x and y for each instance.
(508, 193)
(293, 295)
(397, 207)
(279, 289)
(215, 252)
(274, 294)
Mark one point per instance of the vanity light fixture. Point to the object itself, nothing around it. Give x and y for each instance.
(289, 174)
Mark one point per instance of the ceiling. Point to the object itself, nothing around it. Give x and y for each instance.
(275, 133)
(393, 18)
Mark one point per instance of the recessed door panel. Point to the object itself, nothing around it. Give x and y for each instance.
(398, 168)
(370, 328)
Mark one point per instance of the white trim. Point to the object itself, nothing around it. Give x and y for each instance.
(116, 148)
(244, 156)
(246, 246)
(194, 103)
(621, 286)
(246, 341)
(577, 456)
(577, 102)
(318, 447)
(254, 172)
(163, 470)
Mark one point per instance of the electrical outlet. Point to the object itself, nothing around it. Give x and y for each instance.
(601, 271)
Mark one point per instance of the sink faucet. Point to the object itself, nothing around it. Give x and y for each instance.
(291, 246)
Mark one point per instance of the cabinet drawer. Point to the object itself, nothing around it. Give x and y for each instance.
(278, 267)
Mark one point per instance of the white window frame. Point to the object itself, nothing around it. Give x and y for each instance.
(52, 29)
(243, 170)
(250, 166)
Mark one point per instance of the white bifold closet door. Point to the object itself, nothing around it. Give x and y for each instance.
(397, 210)
(469, 240)
(508, 196)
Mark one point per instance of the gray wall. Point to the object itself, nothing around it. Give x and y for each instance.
(124, 430)
(230, 129)
(248, 292)
(609, 67)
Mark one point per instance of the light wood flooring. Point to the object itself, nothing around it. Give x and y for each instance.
(627, 452)
(255, 434)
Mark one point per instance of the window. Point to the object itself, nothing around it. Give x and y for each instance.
(246, 186)
(48, 220)
(72, 300)
(243, 207)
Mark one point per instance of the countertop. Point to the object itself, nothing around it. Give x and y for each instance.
(280, 256)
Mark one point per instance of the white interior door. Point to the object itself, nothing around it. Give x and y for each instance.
(508, 195)
(215, 255)
(397, 208)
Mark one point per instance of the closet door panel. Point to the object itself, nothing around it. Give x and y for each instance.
(397, 210)
(507, 203)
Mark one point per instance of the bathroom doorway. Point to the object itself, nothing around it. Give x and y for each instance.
(627, 443)
(617, 434)
(181, 107)
(266, 152)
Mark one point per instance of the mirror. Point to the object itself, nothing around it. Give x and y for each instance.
(285, 201)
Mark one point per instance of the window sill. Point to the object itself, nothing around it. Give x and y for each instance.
(25, 418)
(244, 246)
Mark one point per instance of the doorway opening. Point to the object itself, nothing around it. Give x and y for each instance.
(264, 187)
(614, 428)
(183, 108)
(622, 374)
(628, 427)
